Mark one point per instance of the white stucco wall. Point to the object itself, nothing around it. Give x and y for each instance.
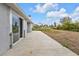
(4, 28)
(29, 27)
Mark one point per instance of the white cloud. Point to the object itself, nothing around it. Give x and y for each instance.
(55, 14)
(75, 14)
(60, 13)
(77, 9)
(62, 10)
(42, 8)
(30, 9)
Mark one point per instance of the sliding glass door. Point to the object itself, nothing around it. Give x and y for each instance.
(15, 28)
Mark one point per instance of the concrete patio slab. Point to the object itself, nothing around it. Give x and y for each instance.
(39, 44)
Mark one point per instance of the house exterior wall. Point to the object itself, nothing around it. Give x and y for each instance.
(6, 40)
(29, 27)
(4, 28)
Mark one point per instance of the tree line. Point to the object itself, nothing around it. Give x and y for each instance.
(66, 23)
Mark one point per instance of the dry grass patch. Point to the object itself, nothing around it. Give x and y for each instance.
(66, 38)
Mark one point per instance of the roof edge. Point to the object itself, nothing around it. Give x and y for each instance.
(17, 9)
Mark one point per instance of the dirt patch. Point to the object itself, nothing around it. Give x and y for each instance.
(66, 38)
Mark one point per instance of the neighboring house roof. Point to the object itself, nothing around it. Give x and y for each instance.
(19, 11)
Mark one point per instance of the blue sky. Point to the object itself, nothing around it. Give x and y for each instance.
(49, 13)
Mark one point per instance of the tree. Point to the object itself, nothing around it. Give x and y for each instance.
(54, 24)
(65, 19)
(66, 23)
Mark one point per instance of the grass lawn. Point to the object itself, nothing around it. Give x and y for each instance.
(66, 38)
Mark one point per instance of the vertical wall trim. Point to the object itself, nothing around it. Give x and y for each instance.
(11, 34)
